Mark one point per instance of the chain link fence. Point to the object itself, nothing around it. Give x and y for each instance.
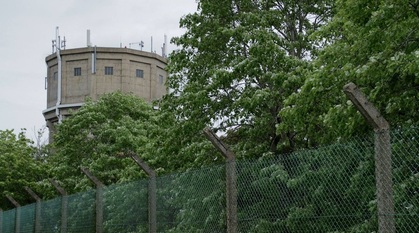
(329, 189)
(50, 219)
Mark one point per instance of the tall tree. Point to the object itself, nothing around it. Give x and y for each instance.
(374, 44)
(18, 168)
(99, 136)
(238, 61)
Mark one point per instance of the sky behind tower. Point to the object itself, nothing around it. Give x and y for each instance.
(27, 28)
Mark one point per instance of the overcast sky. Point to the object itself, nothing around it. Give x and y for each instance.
(27, 28)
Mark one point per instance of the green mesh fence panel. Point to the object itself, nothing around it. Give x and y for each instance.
(51, 215)
(329, 189)
(192, 201)
(81, 212)
(9, 221)
(126, 207)
(405, 164)
(309, 191)
(27, 218)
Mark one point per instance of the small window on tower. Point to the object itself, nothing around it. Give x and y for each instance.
(161, 79)
(139, 73)
(108, 70)
(55, 77)
(77, 71)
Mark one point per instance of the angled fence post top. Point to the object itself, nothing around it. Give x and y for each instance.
(58, 187)
(92, 177)
(370, 113)
(32, 193)
(140, 162)
(216, 141)
(150, 172)
(13, 201)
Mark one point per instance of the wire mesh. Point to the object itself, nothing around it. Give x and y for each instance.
(330, 189)
(192, 201)
(307, 191)
(51, 215)
(81, 212)
(405, 165)
(27, 218)
(9, 218)
(126, 207)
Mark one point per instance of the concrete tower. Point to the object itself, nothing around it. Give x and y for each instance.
(74, 74)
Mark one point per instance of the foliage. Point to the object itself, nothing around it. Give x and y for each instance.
(41, 144)
(192, 201)
(99, 136)
(120, 201)
(238, 62)
(373, 44)
(18, 168)
(405, 150)
(178, 146)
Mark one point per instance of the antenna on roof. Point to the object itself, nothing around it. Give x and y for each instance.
(151, 50)
(63, 43)
(53, 46)
(89, 44)
(57, 44)
(141, 44)
(164, 48)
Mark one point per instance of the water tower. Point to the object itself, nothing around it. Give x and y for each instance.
(75, 74)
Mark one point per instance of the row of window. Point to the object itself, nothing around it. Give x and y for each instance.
(109, 71)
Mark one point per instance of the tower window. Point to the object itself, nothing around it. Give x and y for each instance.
(55, 77)
(77, 71)
(161, 79)
(139, 73)
(108, 70)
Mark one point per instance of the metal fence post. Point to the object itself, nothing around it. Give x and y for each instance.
(382, 147)
(231, 179)
(1, 220)
(37, 209)
(152, 192)
(99, 209)
(17, 214)
(64, 205)
(99, 199)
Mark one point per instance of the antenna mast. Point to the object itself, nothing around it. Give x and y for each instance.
(141, 44)
(151, 50)
(164, 48)
(88, 43)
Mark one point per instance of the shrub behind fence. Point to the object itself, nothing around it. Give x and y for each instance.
(330, 189)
